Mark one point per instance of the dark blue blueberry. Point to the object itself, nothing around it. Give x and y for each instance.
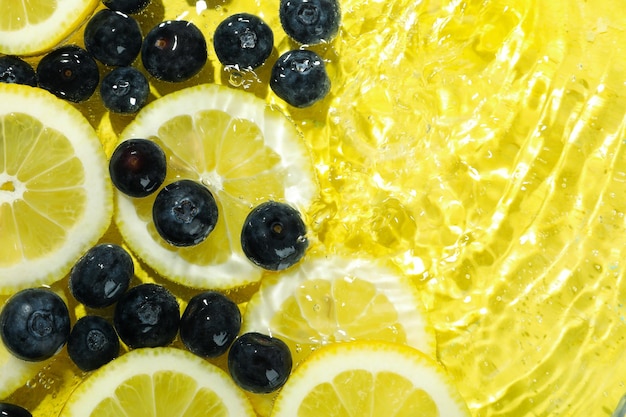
(138, 167)
(12, 410)
(113, 38)
(34, 324)
(69, 72)
(124, 90)
(184, 213)
(14, 70)
(92, 343)
(101, 276)
(274, 236)
(126, 6)
(243, 40)
(174, 51)
(310, 21)
(299, 77)
(210, 324)
(259, 363)
(147, 315)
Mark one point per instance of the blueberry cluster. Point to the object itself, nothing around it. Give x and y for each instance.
(35, 324)
(185, 211)
(175, 51)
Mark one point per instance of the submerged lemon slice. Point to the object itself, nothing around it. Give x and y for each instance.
(55, 196)
(333, 299)
(28, 27)
(158, 382)
(369, 379)
(244, 151)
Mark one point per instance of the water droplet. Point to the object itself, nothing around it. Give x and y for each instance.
(316, 307)
(236, 79)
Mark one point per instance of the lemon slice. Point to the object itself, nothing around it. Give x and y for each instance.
(28, 27)
(55, 196)
(333, 299)
(369, 379)
(244, 151)
(158, 382)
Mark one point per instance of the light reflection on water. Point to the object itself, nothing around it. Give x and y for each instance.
(492, 136)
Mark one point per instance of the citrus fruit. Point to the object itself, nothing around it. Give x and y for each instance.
(244, 151)
(158, 382)
(369, 379)
(55, 196)
(333, 299)
(28, 27)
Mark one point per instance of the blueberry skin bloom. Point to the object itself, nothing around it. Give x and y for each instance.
(259, 363)
(138, 167)
(174, 51)
(92, 343)
(243, 40)
(148, 315)
(34, 324)
(274, 236)
(12, 410)
(124, 90)
(113, 38)
(310, 21)
(184, 213)
(101, 276)
(14, 70)
(210, 324)
(299, 77)
(69, 72)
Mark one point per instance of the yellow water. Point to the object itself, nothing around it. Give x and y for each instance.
(480, 145)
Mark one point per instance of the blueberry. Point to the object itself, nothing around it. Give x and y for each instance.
(124, 90)
(101, 276)
(138, 167)
(69, 72)
(126, 6)
(34, 324)
(12, 410)
(184, 213)
(299, 77)
(243, 40)
(274, 236)
(310, 21)
(14, 70)
(210, 324)
(113, 38)
(259, 363)
(92, 343)
(174, 51)
(147, 315)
